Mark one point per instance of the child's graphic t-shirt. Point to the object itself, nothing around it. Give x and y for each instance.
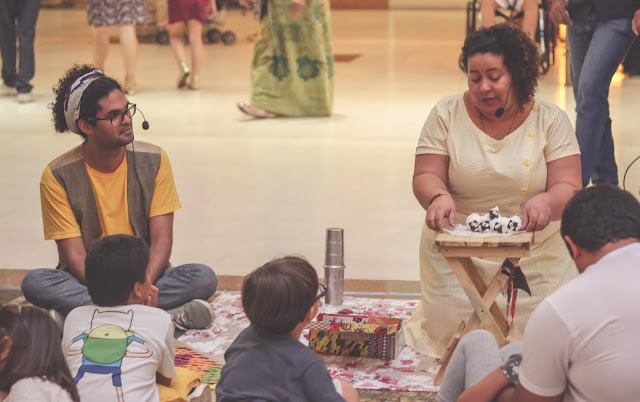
(114, 352)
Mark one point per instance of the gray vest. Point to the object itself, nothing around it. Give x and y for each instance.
(142, 167)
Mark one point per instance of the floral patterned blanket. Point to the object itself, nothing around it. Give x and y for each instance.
(409, 372)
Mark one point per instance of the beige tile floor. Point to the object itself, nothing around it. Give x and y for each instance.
(253, 190)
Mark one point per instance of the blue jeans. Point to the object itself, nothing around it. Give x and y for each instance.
(25, 13)
(60, 290)
(596, 49)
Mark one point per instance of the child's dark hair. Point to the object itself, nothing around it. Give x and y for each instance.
(35, 349)
(599, 215)
(89, 107)
(519, 52)
(113, 266)
(278, 295)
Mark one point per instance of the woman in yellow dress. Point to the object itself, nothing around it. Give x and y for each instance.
(495, 144)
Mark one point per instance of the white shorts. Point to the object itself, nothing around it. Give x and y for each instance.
(507, 4)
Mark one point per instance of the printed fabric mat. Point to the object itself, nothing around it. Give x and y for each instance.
(409, 372)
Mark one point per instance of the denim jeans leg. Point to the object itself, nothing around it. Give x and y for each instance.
(181, 284)
(54, 289)
(27, 14)
(610, 42)
(8, 41)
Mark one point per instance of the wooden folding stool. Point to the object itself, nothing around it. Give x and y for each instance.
(458, 251)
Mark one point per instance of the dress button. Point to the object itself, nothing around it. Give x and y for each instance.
(526, 162)
(523, 191)
(535, 108)
(531, 133)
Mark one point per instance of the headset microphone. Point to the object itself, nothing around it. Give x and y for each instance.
(499, 111)
(145, 123)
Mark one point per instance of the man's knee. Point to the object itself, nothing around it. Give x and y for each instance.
(479, 336)
(204, 281)
(33, 284)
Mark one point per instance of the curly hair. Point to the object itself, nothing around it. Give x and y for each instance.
(519, 53)
(89, 107)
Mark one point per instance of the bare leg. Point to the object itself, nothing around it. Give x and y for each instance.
(101, 47)
(194, 28)
(488, 10)
(120, 396)
(177, 46)
(129, 43)
(530, 19)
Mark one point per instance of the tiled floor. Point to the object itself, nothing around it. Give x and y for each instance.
(253, 190)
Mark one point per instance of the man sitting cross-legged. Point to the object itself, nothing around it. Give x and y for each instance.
(581, 343)
(111, 184)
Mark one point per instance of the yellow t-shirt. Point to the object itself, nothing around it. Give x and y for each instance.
(110, 191)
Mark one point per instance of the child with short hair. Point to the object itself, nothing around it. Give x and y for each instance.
(266, 361)
(32, 367)
(116, 347)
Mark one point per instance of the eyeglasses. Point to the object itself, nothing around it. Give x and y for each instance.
(117, 119)
(322, 288)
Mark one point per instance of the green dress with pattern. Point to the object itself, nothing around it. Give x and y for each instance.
(292, 69)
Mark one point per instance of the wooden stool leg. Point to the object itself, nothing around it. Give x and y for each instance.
(446, 356)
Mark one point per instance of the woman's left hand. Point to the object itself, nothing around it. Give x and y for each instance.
(537, 214)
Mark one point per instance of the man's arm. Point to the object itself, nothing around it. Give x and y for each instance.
(161, 238)
(73, 251)
(486, 389)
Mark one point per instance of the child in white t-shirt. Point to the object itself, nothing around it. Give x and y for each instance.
(117, 347)
(32, 367)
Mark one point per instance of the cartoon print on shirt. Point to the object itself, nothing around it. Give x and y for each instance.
(105, 346)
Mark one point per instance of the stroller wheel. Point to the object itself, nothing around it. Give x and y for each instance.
(162, 37)
(228, 38)
(214, 35)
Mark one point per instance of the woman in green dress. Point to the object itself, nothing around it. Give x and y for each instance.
(292, 68)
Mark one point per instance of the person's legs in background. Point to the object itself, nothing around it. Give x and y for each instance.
(27, 15)
(101, 46)
(597, 49)
(194, 29)
(129, 44)
(177, 46)
(8, 45)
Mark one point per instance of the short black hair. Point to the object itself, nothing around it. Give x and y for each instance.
(519, 52)
(599, 215)
(112, 267)
(89, 107)
(278, 295)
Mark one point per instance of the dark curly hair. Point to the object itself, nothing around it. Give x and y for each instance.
(519, 52)
(599, 215)
(99, 88)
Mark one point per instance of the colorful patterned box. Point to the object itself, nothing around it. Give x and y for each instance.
(356, 335)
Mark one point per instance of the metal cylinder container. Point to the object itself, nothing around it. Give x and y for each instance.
(334, 266)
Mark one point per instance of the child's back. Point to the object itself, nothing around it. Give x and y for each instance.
(267, 362)
(273, 368)
(118, 349)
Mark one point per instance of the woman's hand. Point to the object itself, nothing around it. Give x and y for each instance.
(440, 208)
(537, 214)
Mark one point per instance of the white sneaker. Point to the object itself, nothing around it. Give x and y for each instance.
(202, 393)
(25, 97)
(6, 90)
(59, 318)
(196, 314)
